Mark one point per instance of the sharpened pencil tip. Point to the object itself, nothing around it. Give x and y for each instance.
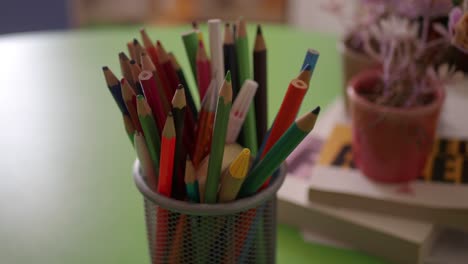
(226, 24)
(316, 111)
(158, 43)
(228, 76)
(259, 29)
(105, 68)
(135, 41)
(132, 61)
(180, 86)
(140, 97)
(123, 56)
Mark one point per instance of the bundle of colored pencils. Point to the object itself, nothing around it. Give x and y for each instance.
(194, 154)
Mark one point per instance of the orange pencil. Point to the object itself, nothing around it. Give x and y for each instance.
(205, 126)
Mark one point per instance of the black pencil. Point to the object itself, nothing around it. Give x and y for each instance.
(230, 59)
(260, 76)
(178, 111)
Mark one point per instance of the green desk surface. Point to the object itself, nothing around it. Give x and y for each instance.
(66, 191)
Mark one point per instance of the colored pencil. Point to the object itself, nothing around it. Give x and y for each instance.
(191, 182)
(148, 65)
(150, 130)
(279, 152)
(239, 110)
(218, 141)
(203, 70)
(260, 76)
(205, 126)
(148, 83)
(131, 50)
(249, 133)
(306, 74)
(114, 87)
(166, 168)
(234, 177)
(153, 54)
(129, 97)
(216, 51)
(171, 76)
(136, 70)
(146, 162)
(310, 58)
(138, 50)
(125, 68)
(129, 128)
(190, 40)
(178, 112)
(165, 181)
(230, 60)
(286, 113)
(192, 97)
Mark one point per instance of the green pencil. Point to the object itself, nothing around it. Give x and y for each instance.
(218, 140)
(279, 152)
(150, 130)
(190, 40)
(249, 131)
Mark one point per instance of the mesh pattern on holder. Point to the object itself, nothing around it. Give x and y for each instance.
(243, 231)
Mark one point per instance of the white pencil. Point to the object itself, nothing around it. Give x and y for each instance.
(239, 109)
(216, 51)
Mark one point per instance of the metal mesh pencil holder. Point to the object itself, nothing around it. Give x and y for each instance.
(243, 231)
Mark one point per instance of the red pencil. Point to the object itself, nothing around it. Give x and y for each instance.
(203, 70)
(170, 72)
(148, 65)
(286, 114)
(153, 53)
(149, 86)
(166, 164)
(166, 167)
(129, 97)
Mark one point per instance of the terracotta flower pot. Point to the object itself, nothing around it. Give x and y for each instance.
(390, 144)
(352, 63)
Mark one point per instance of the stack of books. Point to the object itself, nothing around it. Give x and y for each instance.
(424, 221)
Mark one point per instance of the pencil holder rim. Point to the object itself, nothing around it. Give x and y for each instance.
(203, 209)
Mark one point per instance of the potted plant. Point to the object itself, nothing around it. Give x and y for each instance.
(395, 107)
(370, 12)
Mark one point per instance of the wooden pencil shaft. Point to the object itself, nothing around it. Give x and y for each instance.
(230, 64)
(192, 95)
(178, 187)
(239, 110)
(146, 161)
(114, 87)
(249, 130)
(311, 58)
(129, 128)
(217, 150)
(130, 102)
(273, 159)
(287, 112)
(190, 40)
(125, 67)
(167, 160)
(261, 97)
(148, 83)
(216, 51)
(150, 129)
(138, 49)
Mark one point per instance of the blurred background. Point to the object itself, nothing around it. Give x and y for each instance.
(66, 14)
